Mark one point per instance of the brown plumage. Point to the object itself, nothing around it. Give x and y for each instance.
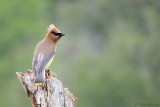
(44, 53)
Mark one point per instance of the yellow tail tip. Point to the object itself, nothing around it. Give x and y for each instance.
(39, 83)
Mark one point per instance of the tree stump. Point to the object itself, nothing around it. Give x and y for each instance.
(50, 94)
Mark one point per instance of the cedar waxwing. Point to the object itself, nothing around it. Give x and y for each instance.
(44, 53)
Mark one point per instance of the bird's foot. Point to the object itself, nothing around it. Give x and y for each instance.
(50, 74)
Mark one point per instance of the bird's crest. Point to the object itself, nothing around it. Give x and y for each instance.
(51, 27)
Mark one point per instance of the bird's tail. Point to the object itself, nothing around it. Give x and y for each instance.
(39, 78)
(36, 84)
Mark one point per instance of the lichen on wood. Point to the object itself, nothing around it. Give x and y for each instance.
(50, 94)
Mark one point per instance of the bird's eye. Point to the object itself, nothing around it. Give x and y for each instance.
(58, 34)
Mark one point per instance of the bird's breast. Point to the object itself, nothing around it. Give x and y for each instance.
(49, 63)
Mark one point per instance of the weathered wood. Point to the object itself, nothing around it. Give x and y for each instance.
(50, 94)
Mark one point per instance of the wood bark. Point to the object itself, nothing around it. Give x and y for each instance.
(50, 94)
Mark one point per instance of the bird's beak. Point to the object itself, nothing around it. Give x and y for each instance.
(62, 34)
(58, 34)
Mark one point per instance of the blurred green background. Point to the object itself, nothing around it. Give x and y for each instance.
(109, 57)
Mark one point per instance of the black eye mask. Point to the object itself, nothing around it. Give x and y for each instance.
(58, 34)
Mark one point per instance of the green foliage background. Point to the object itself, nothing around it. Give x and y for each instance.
(109, 57)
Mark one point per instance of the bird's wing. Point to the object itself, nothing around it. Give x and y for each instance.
(34, 63)
(42, 61)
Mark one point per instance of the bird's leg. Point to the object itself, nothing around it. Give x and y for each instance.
(47, 71)
(49, 74)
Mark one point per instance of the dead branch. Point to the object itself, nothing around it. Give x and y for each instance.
(50, 94)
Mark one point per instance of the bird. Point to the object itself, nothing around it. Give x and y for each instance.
(44, 53)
